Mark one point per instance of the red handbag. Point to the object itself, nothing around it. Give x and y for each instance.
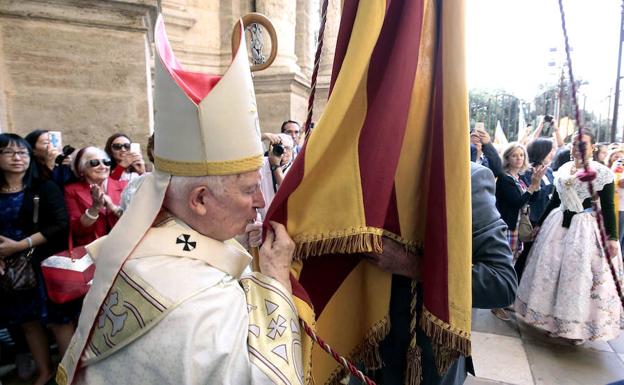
(68, 274)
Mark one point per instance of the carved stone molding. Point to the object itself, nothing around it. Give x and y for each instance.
(129, 15)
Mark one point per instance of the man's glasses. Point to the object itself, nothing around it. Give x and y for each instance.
(96, 162)
(12, 153)
(291, 132)
(119, 146)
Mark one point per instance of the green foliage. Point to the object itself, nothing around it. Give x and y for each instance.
(493, 106)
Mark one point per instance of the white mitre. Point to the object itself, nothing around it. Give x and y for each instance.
(204, 125)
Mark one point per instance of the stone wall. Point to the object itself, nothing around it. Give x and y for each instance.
(78, 67)
(84, 67)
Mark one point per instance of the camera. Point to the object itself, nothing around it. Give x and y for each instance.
(67, 151)
(548, 118)
(278, 149)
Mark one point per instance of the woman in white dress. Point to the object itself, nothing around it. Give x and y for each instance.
(567, 288)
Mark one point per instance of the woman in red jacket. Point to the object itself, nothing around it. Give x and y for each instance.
(92, 202)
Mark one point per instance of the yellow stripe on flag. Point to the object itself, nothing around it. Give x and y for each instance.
(456, 146)
(339, 125)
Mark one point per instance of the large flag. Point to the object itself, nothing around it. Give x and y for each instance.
(389, 157)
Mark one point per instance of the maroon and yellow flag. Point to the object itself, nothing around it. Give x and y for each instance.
(389, 157)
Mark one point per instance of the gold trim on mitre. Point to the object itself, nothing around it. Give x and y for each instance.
(238, 166)
(200, 132)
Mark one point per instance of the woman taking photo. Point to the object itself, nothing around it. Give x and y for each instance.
(45, 158)
(540, 152)
(512, 195)
(93, 201)
(32, 215)
(125, 165)
(567, 288)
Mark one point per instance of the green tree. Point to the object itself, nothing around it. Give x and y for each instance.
(491, 107)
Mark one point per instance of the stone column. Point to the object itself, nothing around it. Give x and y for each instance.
(283, 14)
(80, 68)
(306, 33)
(332, 25)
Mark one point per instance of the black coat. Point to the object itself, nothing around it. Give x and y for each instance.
(53, 220)
(510, 199)
(540, 199)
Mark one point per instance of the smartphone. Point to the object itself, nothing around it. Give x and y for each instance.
(56, 139)
(135, 147)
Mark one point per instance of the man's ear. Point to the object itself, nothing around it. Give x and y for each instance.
(198, 200)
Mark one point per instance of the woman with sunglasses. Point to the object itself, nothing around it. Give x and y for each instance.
(32, 215)
(93, 201)
(126, 165)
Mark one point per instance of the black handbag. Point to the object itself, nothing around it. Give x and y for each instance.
(19, 273)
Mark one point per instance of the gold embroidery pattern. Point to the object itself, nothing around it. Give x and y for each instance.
(225, 167)
(274, 333)
(61, 375)
(130, 307)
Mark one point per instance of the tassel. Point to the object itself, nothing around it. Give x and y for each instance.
(413, 372)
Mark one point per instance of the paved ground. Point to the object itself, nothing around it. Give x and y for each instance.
(513, 353)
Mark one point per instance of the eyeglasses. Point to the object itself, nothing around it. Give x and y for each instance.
(119, 146)
(12, 153)
(96, 162)
(296, 132)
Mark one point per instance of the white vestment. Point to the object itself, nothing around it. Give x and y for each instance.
(171, 318)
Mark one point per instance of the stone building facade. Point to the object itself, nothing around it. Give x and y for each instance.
(84, 67)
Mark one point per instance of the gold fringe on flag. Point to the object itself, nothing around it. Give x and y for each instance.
(448, 343)
(367, 353)
(356, 241)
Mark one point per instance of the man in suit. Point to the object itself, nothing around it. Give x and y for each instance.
(493, 286)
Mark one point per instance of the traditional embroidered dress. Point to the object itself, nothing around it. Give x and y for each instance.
(567, 287)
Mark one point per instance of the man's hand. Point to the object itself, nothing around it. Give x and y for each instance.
(2, 266)
(272, 138)
(274, 160)
(254, 234)
(396, 259)
(276, 254)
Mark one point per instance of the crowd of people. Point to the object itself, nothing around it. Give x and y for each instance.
(566, 286)
(49, 195)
